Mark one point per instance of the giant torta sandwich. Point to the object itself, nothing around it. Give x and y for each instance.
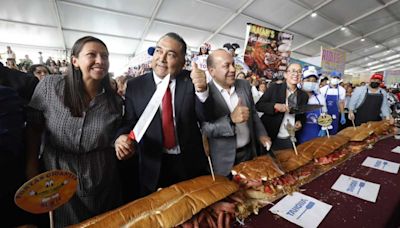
(327, 150)
(169, 207)
(264, 181)
(320, 151)
(289, 161)
(380, 128)
(360, 137)
(257, 178)
(296, 167)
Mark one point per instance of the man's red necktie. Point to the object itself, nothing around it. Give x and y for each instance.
(168, 121)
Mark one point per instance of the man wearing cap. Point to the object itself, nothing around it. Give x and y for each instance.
(369, 102)
(310, 85)
(335, 96)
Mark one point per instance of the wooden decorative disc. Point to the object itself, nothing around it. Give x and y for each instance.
(46, 191)
(325, 120)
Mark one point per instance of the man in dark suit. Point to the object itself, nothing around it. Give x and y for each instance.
(275, 104)
(167, 156)
(237, 132)
(16, 89)
(22, 82)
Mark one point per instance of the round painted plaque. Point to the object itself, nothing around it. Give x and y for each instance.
(46, 191)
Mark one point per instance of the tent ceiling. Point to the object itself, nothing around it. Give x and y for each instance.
(129, 27)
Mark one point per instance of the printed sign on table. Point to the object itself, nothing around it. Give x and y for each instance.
(356, 187)
(301, 209)
(396, 150)
(381, 164)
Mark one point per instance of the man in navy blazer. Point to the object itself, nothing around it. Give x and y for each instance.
(159, 166)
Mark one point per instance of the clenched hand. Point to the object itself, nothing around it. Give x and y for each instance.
(124, 147)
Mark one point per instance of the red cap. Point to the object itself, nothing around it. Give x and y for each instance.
(377, 76)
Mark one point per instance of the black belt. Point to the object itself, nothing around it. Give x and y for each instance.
(244, 153)
(243, 147)
(284, 138)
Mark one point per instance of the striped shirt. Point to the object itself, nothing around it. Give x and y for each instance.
(81, 145)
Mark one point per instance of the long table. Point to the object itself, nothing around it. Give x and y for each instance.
(349, 211)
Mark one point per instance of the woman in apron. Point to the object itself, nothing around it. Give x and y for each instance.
(369, 103)
(335, 95)
(310, 85)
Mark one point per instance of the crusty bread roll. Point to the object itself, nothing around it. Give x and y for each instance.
(261, 168)
(356, 134)
(379, 127)
(325, 145)
(290, 161)
(307, 151)
(168, 207)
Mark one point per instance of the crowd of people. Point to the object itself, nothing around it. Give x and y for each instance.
(81, 120)
(40, 69)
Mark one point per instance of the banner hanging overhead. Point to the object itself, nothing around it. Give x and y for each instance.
(266, 51)
(332, 60)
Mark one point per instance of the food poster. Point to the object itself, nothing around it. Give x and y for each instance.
(266, 51)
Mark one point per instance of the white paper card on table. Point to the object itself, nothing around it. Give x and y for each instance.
(381, 164)
(356, 187)
(301, 209)
(396, 149)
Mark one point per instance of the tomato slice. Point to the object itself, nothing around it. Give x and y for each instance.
(268, 189)
(236, 178)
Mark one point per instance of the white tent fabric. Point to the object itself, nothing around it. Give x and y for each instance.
(368, 30)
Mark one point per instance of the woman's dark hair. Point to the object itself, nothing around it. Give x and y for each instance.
(324, 79)
(228, 46)
(207, 53)
(241, 73)
(235, 46)
(32, 68)
(204, 47)
(75, 96)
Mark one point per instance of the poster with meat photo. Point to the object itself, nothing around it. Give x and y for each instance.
(267, 51)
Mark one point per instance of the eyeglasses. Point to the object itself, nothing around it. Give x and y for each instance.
(294, 72)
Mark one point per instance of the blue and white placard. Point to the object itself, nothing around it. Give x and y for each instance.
(396, 149)
(381, 164)
(301, 209)
(356, 187)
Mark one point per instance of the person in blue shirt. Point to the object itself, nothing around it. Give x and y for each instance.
(369, 102)
(335, 96)
(310, 85)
